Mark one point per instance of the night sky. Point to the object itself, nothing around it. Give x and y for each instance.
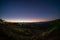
(30, 10)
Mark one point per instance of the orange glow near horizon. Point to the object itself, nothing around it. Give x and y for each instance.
(35, 20)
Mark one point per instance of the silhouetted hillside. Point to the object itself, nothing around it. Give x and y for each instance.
(45, 31)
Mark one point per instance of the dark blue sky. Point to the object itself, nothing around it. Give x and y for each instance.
(30, 9)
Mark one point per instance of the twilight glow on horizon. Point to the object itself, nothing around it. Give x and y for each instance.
(25, 20)
(29, 10)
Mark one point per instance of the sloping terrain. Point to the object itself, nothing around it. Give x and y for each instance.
(15, 32)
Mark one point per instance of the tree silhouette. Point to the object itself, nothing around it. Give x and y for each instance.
(1, 20)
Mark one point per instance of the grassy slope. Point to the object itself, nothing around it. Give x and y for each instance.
(15, 32)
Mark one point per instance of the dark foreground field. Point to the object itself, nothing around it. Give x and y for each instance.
(14, 31)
